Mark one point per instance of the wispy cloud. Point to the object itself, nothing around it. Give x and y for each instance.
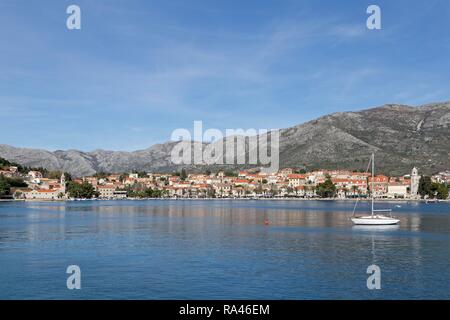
(148, 68)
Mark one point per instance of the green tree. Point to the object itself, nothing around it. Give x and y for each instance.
(5, 163)
(439, 190)
(7, 183)
(345, 191)
(16, 183)
(144, 193)
(425, 186)
(326, 189)
(18, 195)
(211, 193)
(81, 191)
(229, 173)
(67, 176)
(354, 189)
(141, 174)
(4, 186)
(183, 174)
(54, 174)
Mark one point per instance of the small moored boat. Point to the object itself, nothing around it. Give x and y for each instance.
(376, 218)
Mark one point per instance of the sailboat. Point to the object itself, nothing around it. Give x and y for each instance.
(376, 218)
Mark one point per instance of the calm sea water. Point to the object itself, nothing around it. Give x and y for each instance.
(221, 249)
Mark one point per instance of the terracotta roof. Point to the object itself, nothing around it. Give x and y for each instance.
(46, 191)
(296, 176)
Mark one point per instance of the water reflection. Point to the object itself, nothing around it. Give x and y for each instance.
(223, 249)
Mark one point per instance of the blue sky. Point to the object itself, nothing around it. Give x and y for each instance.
(137, 70)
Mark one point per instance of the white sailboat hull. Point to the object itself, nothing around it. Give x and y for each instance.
(375, 220)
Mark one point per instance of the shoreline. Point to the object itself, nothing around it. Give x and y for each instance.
(230, 199)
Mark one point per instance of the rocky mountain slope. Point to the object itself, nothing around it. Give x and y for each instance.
(402, 137)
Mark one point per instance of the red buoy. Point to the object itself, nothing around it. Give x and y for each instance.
(266, 222)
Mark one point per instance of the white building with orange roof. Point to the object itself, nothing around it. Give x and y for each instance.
(53, 191)
(350, 187)
(43, 194)
(295, 180)
(182, 184)
(198, 178)
(174, 191)
(200, 189)
(397, 190)
(241, 182)
(106, 191)
(222, 189)
(255, 177)
(242, 174)
(380, 185)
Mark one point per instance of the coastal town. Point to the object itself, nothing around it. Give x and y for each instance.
(286, 183)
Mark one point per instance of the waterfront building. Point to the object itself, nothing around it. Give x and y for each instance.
(43, 194)
(397, 190)
(380, 185)
(120, 194)
(106, 191)
(222, 189)
(415, 178)
(241, 182)
(248, 183)
(296, 180)
(350, 187)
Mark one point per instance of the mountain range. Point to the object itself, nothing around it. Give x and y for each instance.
(401, 136)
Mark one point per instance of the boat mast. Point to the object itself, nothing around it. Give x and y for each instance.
(373, 175)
